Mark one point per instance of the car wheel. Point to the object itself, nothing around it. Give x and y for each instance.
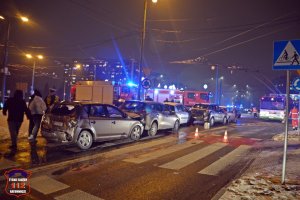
(176, 126)
(153, 129)
(224, 121)
(212, 121)
(135, 133)
(85, 140)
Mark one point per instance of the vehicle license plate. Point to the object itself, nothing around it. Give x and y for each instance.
(58, 123)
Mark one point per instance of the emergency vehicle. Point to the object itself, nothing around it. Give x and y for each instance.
(187, 98)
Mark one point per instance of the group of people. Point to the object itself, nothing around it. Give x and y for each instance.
(16, 107)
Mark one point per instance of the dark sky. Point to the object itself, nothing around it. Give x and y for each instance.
(224, 32)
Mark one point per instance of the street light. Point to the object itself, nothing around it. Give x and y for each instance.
(29, 56)
(142, 47)
(213, 67)
(6, 43)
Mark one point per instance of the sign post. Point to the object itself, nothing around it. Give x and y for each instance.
(286, 57)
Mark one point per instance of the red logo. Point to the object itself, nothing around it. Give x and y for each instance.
(17, 182)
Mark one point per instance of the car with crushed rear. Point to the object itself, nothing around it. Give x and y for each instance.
(85, 123)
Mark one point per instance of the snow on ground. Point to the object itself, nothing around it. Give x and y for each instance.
(262, 181)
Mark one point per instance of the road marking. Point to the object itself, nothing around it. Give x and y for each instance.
(157, 154)
(7, 164)
(193, 157)
(229, 159)
(77, 195)
(46, 185)
(137, 147)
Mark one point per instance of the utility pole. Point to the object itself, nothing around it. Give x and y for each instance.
(5, 60)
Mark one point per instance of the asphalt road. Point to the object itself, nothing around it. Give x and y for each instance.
(170, 166)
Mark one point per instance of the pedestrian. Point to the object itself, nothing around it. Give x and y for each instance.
(37, 108)
(16, 107)
(294, 113)
(166, 100)
(51, 99)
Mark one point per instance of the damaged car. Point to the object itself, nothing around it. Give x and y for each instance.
(85, 123)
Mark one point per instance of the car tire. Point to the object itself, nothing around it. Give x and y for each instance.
(176, 126)
(211, 121)
(135, 133)
(85, 140)
(153, 129)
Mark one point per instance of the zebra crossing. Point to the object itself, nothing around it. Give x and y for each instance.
(194, 150)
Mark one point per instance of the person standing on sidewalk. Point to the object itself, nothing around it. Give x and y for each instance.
(294, 114)
(16, 107)
(37, 108)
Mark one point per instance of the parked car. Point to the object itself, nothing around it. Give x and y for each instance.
(153, 115)
(211, 113)
(230, 113)
(180, 110)
(85, 123)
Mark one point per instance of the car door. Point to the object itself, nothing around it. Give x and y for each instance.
(182, 114)
(167, 116)
(99, 120)
(120, 124)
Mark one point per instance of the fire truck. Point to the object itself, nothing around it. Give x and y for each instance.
(186, 97)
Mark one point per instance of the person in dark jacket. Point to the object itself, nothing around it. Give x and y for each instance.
(16, 107)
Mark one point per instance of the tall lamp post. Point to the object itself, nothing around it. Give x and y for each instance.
(142, 46)
(29, 56)
(5, 59)
(216, 67)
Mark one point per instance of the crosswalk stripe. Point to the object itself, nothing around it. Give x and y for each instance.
(46, 185)
(157, 154)
(77, 195)
(193, 157)
(140, 146)
(229, 159)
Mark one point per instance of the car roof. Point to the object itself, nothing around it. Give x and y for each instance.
(84, 103)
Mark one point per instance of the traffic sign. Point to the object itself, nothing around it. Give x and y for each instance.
(286, 55)
(146, 83)
(296, 84)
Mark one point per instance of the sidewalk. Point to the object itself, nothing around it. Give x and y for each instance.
(262, 180)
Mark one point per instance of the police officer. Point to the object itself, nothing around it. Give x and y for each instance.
(51, 99)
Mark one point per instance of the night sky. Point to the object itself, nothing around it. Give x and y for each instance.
(223, 32)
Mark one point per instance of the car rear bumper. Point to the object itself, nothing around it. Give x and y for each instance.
(57, 136)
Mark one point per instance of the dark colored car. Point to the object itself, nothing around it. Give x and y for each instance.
(153, 115)
(211, 113)
(85, 123)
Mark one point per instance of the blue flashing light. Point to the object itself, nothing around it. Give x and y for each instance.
(131, 84)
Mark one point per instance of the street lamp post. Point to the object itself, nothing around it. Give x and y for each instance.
(142, 46)
(29, 56)
(217, 82)
(5, 59)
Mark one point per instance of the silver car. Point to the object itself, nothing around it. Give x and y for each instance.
(153, 115)
(211, 113)
(85, 123)
(180, 110)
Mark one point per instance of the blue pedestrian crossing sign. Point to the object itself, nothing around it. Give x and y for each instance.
(296, 84)
(286, 55)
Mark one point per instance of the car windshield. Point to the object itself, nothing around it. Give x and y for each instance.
(201, 106)
(133, 106)
(63, 109)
